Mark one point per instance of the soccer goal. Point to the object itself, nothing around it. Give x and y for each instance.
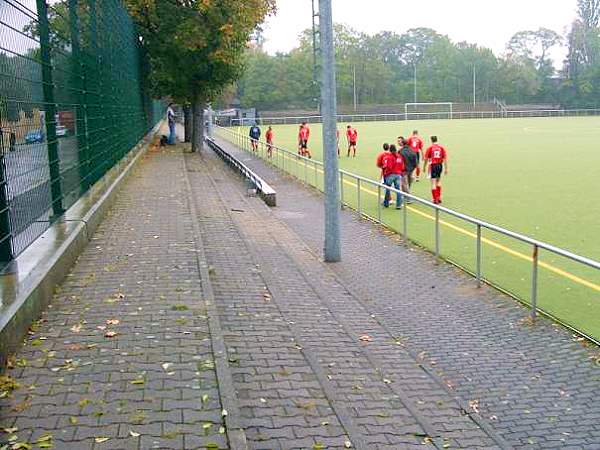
(433, 110)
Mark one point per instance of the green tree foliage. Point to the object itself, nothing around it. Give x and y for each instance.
(581, 74)
(196, 46)
(383, 67)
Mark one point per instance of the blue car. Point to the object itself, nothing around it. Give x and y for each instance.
(34, 137)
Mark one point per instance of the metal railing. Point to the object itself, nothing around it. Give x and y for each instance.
(306, 169)
(401, 116)
(255, 181)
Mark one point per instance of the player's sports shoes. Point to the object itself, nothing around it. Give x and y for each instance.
(399, 207)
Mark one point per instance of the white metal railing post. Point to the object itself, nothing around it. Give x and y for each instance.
(478, 262)
(534, 281)
(405, 224)
(359, 208)
(437, 233)
(316, 175)
(379, 203)
(305, 172)
(342, 190)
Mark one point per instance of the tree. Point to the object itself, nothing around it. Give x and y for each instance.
(196, 46)
(533, 45)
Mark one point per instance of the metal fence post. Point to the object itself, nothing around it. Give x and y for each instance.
(358, 197)
(379, 203)
(478, 263)
(534, 279)
(405, 224)
(80, 121)
(342, 190)
(437, 233)
(48, 90)
(6, 253)
(305, 172)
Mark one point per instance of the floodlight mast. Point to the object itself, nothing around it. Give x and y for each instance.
(332, 245)
(316, 49)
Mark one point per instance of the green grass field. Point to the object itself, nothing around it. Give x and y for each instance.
(534, 176)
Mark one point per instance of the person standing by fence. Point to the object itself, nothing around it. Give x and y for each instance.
(171, 122)
(269, 138)
(393, 168)
(411, 162)
(254, 136)
(379, 164)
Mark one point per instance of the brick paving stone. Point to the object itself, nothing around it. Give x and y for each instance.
(324, 323)
(156, 376)
(473, 340)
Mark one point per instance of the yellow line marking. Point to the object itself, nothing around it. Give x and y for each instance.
(487, 241)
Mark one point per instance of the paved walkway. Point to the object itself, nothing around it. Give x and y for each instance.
(535, 386)
(200, 318)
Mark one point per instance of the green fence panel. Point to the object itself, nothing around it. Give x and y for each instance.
(73, 102)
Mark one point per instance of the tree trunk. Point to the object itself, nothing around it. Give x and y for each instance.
(198, 133)
(188, 123)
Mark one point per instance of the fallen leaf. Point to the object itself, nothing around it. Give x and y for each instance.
(110, 334)
(166, 366)
(10, 430)
(365, 338)
(474, 405)
(133, 433)
(348, 444)
(44, 438)
(100, 440)
(73, 420)
(138, 381)
(224, 413)
(112, 322)
(76, 328)
(21, 446)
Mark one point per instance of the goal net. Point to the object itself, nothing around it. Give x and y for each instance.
(434, 110)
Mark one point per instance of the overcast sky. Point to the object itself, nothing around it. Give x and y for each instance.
(489, 23)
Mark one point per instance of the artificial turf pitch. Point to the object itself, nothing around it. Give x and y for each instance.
(536, 176)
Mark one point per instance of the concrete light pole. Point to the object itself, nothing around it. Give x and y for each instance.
(332, 247)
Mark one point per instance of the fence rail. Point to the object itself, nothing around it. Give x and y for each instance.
(402, 116)
(73, 102)
(309, 171)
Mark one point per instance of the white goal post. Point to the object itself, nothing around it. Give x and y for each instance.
(438, 109)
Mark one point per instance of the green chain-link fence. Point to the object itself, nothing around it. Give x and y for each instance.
(73, 102)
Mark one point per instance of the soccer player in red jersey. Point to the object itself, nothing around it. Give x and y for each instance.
(303, 136)
(379, 163)
(352, 136)
(416, 145)
(269, 138)
(437, 156)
